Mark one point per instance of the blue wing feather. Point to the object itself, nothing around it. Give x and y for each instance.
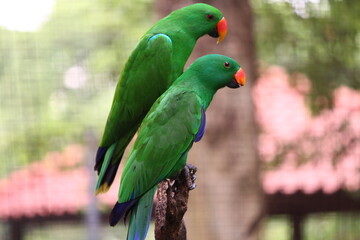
(160, 35)
(201, 130)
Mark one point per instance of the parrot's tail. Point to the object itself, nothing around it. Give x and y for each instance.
(108, 160)
(141, 216)
(107, 164)
(100, 158)
(120, 210)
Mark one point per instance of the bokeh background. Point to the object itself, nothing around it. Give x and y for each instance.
(280, 158)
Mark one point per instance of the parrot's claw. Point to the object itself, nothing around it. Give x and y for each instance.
(192, 187)
(189, 171)
(191, 168)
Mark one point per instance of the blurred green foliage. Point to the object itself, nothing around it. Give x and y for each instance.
(75, 231)
(325, 226)
(319, 38)
(277, 227)
(39, 113)
(333, 226)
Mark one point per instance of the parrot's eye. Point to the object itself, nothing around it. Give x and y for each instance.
(226, 64)
(210, 17)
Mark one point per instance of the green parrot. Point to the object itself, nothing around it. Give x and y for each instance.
(156, 62)
(175, 121)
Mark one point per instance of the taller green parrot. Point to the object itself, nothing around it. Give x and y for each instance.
(157, 60)
(175, 121)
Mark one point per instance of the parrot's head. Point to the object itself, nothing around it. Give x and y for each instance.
(201, 19)
(217, 71)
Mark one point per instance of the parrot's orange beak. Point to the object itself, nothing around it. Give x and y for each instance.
(221, 28)
(240, 77)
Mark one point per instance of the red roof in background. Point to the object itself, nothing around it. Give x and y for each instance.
(56, 185)
(329, 143)
(59, 183)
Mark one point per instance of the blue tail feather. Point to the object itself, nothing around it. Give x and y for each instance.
(100, 158)
(120, 210)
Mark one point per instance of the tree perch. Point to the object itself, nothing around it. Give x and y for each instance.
(172, 199)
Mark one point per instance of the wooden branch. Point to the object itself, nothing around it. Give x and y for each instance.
(172, 199)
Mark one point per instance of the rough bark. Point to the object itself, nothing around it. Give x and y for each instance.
(172, 199)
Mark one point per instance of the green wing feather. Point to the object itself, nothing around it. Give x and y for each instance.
(165, 136)
(145, 77)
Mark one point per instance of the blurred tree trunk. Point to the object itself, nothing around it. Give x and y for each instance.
(227, 203)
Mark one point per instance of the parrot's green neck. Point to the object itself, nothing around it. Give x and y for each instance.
(183, 42)
(182, 48)
(175, 26)
(194, 84)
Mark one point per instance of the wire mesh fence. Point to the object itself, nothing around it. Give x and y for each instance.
(56, 86)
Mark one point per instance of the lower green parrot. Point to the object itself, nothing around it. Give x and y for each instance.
(175, 121)
(157, 61)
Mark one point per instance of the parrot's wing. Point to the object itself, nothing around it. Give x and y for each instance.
(165, 136)
(143, 80)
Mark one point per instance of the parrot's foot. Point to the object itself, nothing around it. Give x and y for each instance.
(189, 172)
